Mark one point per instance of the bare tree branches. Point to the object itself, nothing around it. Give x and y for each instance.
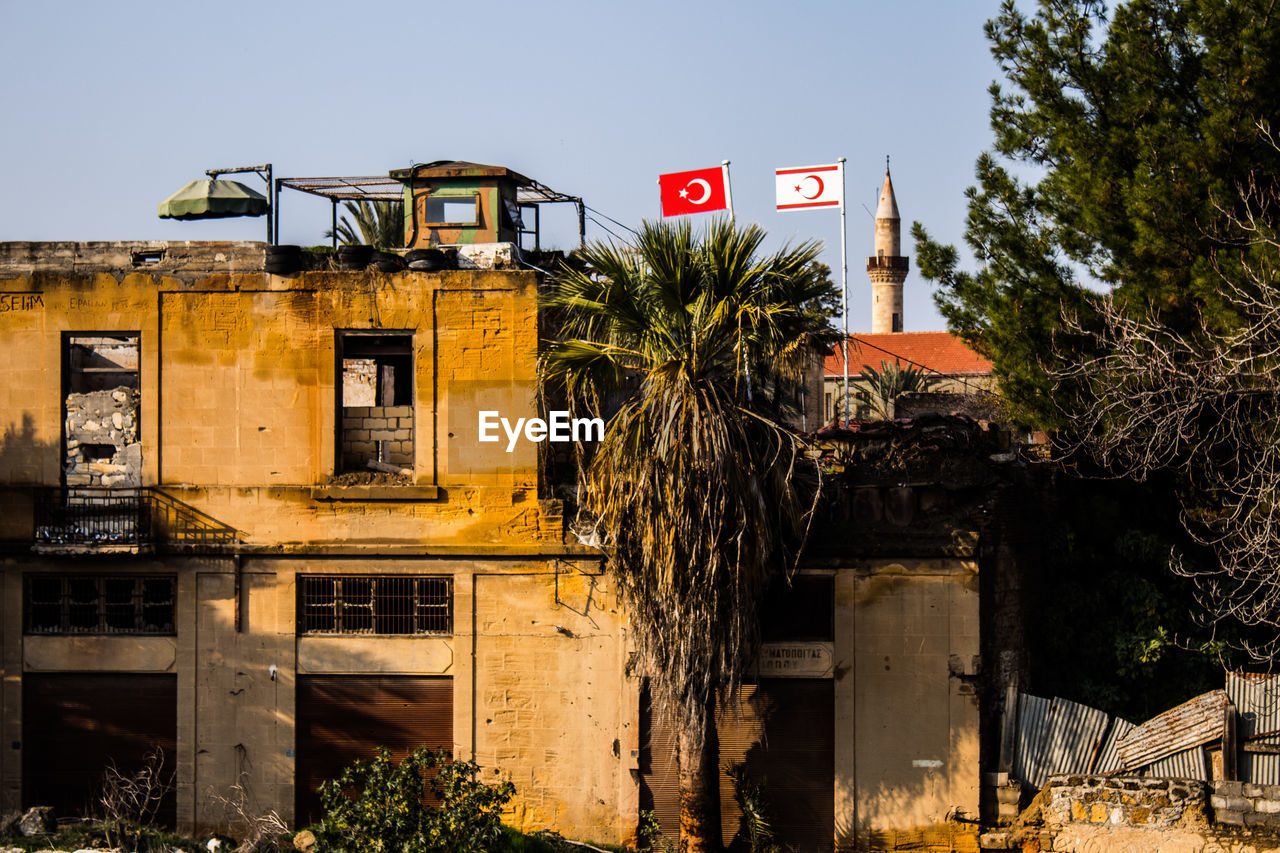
(1203, 403)
(252, 825)
(130, 802)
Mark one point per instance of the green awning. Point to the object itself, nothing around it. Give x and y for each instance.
(213, 200)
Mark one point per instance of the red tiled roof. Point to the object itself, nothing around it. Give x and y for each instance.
(941, 352)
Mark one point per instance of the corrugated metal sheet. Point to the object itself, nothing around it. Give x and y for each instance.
(1190, 724)
(1109, 756)
(1257, 701)
(1033, 728)
(1073, 739)
(1188, 764)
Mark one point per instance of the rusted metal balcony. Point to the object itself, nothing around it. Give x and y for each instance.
(90, 520)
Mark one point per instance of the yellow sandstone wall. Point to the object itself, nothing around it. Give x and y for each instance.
(537, 661)
(239, 421)
(243, 368)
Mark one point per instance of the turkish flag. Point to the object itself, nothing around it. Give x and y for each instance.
(693, 192)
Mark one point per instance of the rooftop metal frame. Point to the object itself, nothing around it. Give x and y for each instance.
(384, 188)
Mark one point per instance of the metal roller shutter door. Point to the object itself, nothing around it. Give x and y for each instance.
(74, 725)
(342, 718)
(785, 731)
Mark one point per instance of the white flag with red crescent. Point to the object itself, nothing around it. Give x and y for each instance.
(807, 187)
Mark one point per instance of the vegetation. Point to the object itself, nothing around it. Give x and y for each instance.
(697, 494)
(427, 803)
(130, 802)
(757, 818)
(1120, 143)
(877, 391)
(373, 223)
(90, 835)
(1154, 174)
(1201, 406)
(1109, 622)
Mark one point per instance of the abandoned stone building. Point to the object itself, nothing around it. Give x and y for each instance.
(246, 518)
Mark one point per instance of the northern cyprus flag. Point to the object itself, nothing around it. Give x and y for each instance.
(806, 187)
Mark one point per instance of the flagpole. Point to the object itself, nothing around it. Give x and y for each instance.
(728, 198)
(728, 191)
(844, 295)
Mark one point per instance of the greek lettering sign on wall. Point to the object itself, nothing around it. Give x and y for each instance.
(796, 660)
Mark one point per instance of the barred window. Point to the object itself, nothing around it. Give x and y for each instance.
(375, 604)
(99, 604)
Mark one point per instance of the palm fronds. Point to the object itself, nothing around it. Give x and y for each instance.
(695, 491)
(878, 390)
(374, 223)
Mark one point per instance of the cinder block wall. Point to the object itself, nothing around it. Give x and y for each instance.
(365, 427)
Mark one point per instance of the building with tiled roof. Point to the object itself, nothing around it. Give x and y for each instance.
(942, 354)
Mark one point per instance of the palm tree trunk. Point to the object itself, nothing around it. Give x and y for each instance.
(699, 760)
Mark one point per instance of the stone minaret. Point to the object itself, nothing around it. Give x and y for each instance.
(887, 268)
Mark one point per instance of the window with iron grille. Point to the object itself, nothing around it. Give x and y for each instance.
(100, 604)
(375, 604)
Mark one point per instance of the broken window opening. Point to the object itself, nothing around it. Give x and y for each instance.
(101, 410)
(375, 402)
(451, 212)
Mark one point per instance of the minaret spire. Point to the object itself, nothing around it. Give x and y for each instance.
(887, 268)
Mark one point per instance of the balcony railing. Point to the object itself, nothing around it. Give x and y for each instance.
(129, 520)
(888, 262)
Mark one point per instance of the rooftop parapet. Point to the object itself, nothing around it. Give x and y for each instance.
(172, 257)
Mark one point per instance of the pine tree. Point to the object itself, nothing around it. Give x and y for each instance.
(1121, 142)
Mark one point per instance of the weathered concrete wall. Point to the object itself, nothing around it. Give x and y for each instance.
(1243, 804)
(99, 654)
(330, 655)
(238, 726)
(906, 714)
(554, 709)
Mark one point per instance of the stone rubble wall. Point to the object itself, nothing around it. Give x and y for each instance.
(364, 426)
(110, 418)
(1123, 800)
(359, 381)
(1131, 814)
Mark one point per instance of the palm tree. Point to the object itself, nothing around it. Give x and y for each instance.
(696, 494)
(880, 389)
(380, 224)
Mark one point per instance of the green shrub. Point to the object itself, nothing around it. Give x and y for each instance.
(428, 803)
(649, 837)
(757, 822)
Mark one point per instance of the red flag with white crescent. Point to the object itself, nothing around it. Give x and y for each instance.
(697, 191)
(809, 186)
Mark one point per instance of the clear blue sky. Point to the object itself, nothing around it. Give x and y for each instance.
(110, 107)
